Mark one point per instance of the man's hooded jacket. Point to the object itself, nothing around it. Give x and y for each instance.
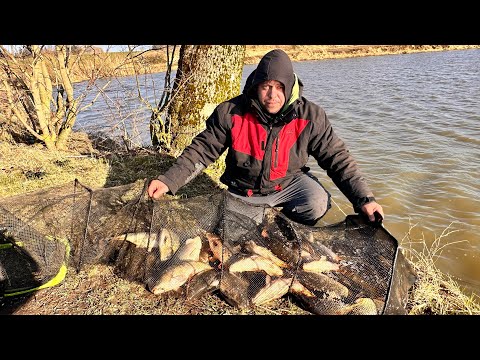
(266, 151)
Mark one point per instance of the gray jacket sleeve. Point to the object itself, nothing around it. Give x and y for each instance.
(205, 148)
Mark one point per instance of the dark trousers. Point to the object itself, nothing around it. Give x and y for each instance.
(304, 200)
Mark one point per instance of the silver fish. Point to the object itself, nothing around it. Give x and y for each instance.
(273, 290)
(190, 249)
(174, 276)
(320, 266)
(254, 248)
(256, 263)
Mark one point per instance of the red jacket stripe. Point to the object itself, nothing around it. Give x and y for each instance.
(286, 139)
(248, 135)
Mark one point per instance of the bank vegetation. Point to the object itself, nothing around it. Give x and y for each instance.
(98, 290)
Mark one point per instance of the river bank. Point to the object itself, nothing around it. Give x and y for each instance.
(155, 61)
(98, 290)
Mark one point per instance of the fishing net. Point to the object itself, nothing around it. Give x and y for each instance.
(211, 244)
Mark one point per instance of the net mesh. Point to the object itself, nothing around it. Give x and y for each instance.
(211, 244)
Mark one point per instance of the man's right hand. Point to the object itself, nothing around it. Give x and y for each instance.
(156, 189)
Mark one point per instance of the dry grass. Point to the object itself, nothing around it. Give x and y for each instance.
(98, 290)
(26, 168)
(436, 292)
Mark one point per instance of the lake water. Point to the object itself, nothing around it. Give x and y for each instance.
(412, 121)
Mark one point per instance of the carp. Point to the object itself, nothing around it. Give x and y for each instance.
(174, 276)
(235, 289)
(287, 251)
(220, 251)
(256, 263)
(254, 248)
(273, 290)
(166, 241)
(362, 306)
(321, 306)
(322, 283)
(320, 266)
(298, 288)
(190, 250)
(202, 283)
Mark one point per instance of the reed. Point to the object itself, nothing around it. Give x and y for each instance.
(435, 292)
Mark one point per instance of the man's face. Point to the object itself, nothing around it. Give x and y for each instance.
(271, 94)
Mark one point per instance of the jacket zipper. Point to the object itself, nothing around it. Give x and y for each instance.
(266, 166)
(276, 153)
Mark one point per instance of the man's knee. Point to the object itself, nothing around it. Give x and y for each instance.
(320, 204)
(311, 212)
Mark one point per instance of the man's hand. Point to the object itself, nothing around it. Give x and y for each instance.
(371, 208)
(156, 189)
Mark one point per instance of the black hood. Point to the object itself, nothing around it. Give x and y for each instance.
(274, 65)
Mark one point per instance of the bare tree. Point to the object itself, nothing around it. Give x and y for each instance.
(206, 76)
(37, 87)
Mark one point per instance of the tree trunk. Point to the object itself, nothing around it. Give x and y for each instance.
(206, 76)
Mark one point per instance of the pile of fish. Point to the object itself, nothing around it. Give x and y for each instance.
(254, 271)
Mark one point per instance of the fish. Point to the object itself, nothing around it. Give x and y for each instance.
(319, 248)
(364, 286)
(205, 252)
(273, 290)
(298, 288)
(256, 263)
(287, 251)
(176, 275)
(322, 306)
(235, 289)
(320, 266)
(362, 306)
(139, 239)
(254, 248)
(292, 252)
(322, 283)
(190, 249)
(332, 306)
(220, 251)
(281, 228)
(168, 243)
(202, 283)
